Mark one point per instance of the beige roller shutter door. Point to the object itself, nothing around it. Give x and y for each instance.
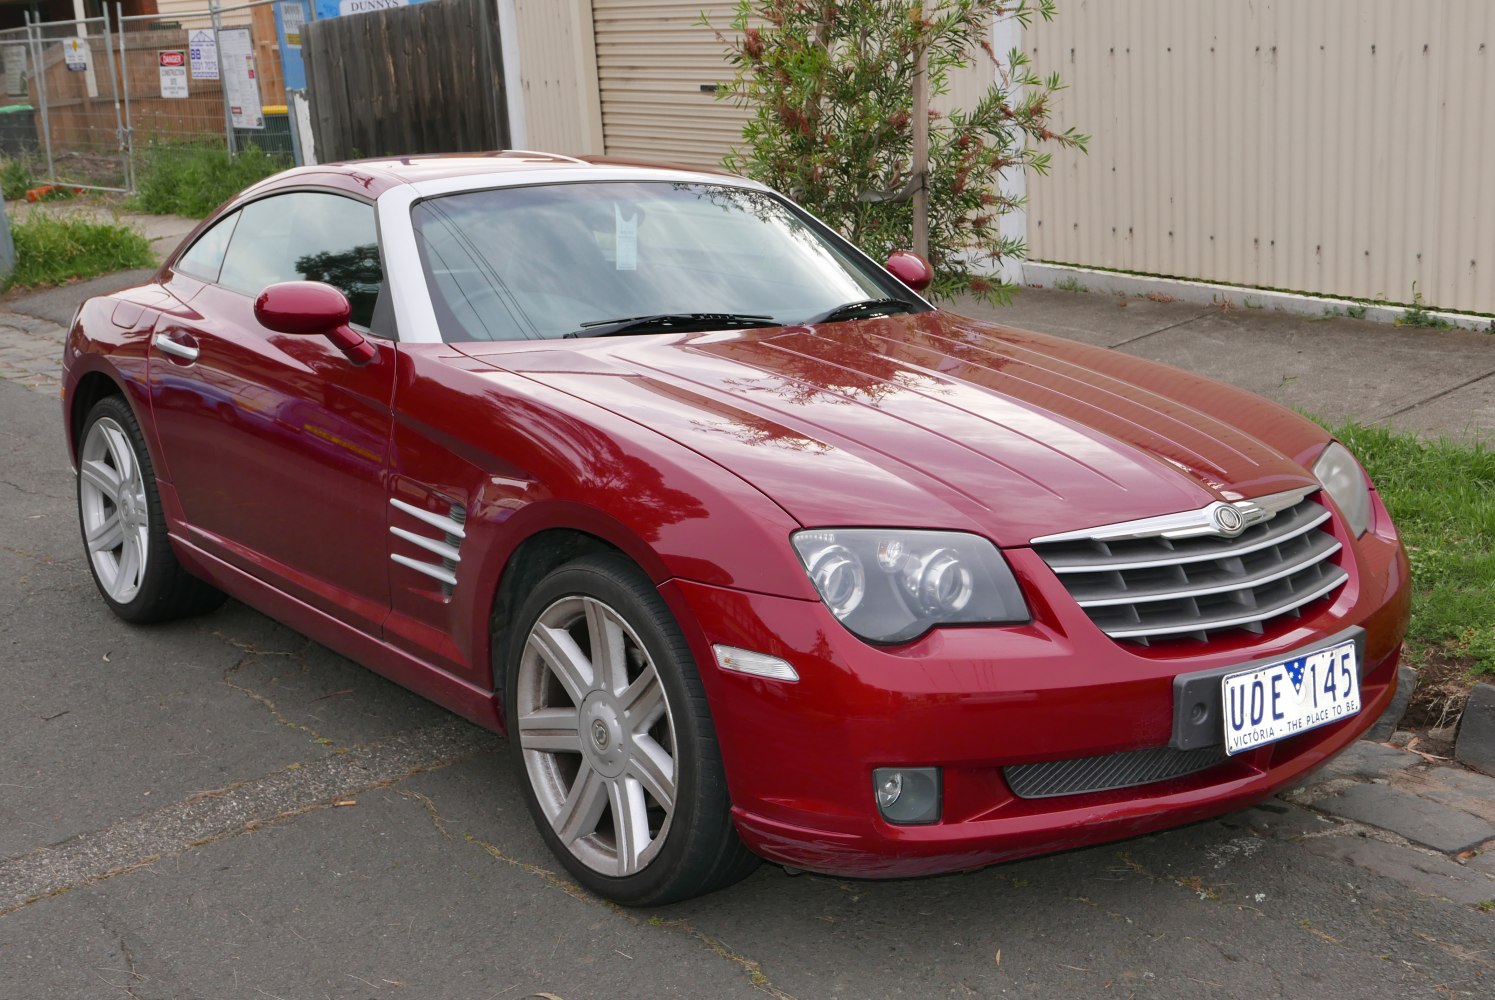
(653, 58)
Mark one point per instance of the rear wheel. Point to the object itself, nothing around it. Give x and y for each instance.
(616, 751)
(124, 529)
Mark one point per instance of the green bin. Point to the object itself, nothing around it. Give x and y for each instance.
(274, 138)
(17, 130)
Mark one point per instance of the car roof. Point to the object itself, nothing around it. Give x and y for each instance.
(376, 175)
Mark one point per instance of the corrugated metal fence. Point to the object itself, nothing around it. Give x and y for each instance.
(1344, 147)
(1335, 147)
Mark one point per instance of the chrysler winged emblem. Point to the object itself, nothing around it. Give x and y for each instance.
(1230, 519)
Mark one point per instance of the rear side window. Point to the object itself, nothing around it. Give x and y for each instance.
(205, 259)
(306, 236)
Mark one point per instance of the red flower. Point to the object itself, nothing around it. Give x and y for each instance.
(752, 44)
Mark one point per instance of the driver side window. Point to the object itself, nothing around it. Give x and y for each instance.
(307, 236)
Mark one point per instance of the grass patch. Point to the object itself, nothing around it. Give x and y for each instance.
(15, 178)
(1442, 497)
(192, 180)
(53, 251)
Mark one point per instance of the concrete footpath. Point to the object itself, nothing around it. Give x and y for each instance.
(221, 808)
(1439, 383)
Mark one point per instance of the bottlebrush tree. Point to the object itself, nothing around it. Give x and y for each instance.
(830, 87)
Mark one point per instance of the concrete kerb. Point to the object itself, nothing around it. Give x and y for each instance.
(1475, 744)
(1391, 719)
(1211, 294)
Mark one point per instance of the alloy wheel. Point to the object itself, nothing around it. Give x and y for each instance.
(597, 736)
(115, 509)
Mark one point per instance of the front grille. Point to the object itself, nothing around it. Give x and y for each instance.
(1186, 581)
(1102, 774)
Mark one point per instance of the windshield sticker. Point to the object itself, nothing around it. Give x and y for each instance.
(625, 240)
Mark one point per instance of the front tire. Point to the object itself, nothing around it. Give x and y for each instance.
(123, 526)
(614, 744)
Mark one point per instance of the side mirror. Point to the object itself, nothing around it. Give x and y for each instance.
(311, 308)
(911, 269)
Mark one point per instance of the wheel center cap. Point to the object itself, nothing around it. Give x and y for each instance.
(605, 744)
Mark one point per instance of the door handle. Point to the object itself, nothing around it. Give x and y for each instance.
(187, 352)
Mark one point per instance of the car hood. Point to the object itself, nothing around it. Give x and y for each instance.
(934, 420)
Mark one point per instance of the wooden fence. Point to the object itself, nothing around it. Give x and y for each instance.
(425, 78)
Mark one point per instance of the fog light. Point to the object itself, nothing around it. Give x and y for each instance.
(907, 795)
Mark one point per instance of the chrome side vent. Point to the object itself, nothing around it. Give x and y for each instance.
(447, 549)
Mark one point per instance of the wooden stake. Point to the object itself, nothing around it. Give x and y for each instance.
(921, 156)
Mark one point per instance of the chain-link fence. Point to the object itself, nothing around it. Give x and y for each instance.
(94, 101)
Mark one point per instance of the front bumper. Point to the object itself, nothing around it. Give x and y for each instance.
(972, 701)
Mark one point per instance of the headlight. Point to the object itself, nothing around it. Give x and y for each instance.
(1343, 479)
(893, 586)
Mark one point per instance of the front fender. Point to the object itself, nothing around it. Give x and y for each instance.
(523, 458)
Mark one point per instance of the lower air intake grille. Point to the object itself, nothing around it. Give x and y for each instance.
(1102, 774)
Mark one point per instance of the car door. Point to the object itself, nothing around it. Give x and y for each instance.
(275, 445)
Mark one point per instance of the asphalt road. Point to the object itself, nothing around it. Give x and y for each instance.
(221, 808)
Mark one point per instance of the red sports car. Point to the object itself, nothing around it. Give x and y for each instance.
(749, 549)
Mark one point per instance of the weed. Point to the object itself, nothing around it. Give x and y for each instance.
(1485, 906)
(1069, 285)
(1417, 314)
(1161, 297)
(52, 250)
(1353, 312)
(183, 179)
(15, 178)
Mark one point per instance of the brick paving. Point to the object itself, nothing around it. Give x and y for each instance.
(31, 351)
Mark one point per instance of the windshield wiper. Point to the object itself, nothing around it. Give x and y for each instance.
(862, 309)
(664, 322)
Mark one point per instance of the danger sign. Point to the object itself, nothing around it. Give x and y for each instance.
(172, 64)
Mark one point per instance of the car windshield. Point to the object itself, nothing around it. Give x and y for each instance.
(577, 259)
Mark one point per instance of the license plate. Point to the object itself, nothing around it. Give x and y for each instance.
(1282, 699)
